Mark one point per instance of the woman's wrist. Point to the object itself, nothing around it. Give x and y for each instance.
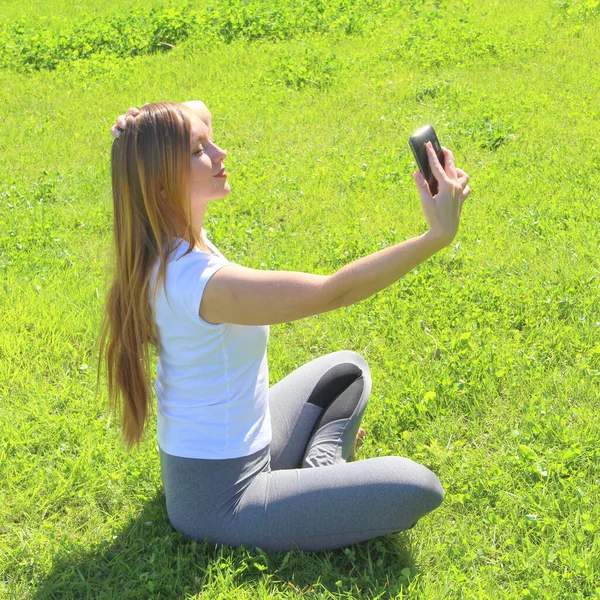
(438, 239)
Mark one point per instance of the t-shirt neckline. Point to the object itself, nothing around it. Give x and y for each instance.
(211, 246)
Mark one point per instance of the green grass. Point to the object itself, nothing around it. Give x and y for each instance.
(485, 359)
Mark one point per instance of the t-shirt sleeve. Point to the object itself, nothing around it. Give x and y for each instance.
(192, 281)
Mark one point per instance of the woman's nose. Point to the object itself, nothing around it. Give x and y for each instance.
(220, 155)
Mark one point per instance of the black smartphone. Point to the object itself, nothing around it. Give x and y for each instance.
(417, 143)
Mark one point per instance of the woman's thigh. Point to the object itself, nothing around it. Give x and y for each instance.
(311, 509)
(333, 386)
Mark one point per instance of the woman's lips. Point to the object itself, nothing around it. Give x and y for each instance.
(221, 173)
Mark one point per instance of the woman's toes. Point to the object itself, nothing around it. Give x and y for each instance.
(359, 439)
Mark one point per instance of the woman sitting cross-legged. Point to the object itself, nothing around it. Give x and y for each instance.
(242, 462)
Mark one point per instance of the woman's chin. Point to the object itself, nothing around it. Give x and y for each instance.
(224, 191)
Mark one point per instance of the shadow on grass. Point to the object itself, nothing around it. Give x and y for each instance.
(149, 559)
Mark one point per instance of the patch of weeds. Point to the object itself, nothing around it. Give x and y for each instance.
(310, 68)
(488, 133)
(26, 48)
(580, 9)
(138, 32)
(92, 71)
(430, 92)
(280, 20)
(437, 37)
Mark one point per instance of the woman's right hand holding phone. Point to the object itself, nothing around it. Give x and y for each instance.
(442, 211)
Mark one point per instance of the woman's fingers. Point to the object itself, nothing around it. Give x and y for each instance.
(422, 186)
(435, 165)
(463, 178)
(119, 126)
(463, 197)
(449, 163)
(465, 193)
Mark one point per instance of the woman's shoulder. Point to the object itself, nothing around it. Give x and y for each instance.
(181, 258)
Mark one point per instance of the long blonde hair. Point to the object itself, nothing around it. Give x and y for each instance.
(150, 168)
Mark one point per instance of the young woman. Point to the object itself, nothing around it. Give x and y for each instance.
(243, 463)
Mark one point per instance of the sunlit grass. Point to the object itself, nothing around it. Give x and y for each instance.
(485, 359)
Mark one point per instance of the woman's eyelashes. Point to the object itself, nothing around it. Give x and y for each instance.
(202, 150)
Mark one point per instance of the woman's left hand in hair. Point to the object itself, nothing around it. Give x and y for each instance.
(119, 126)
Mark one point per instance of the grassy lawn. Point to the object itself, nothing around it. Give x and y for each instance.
(485, 359)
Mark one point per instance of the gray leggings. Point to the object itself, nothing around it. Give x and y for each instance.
(299, 492)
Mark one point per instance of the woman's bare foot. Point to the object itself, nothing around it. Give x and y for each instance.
(359, 441)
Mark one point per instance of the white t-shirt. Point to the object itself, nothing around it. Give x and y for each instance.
(212, 381)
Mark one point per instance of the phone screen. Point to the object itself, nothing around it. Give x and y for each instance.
(417, 143)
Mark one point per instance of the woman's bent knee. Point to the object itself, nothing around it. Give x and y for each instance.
(360, 361)
(431, 490)
(434, 492)
(352, 357)
(426, 492)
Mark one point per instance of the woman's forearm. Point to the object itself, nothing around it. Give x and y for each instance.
(371, 274)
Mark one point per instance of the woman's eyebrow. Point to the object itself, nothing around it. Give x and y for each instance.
(196, 141)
